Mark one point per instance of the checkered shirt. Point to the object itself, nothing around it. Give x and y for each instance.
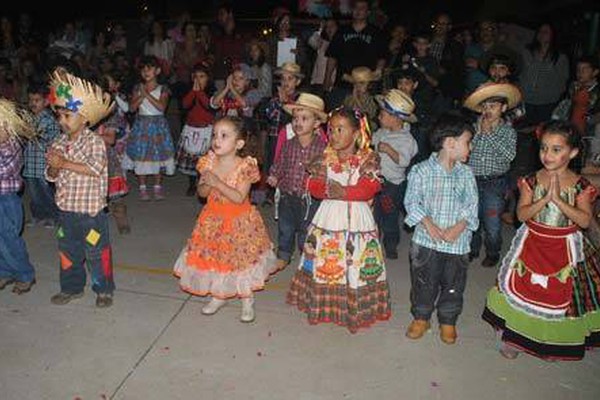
(35, 151)
(76, 192)
(493, 152)
(11, 162)
(447, 198)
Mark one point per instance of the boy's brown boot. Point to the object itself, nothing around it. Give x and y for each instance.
(119, 211)
(417, 328)
(448, 333)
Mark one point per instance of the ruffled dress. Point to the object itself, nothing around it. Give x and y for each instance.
(547, 299)
(229, 253)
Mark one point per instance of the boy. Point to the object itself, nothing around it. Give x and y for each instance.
(361, 78)
(41, 193)
(289, 173)
(396, 147)
(441, 201)
(14, 260)
(77, 163)
(493, 149)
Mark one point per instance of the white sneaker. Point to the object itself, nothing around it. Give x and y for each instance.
(247, 310)
(214, 306)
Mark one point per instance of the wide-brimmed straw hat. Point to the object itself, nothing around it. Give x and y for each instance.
(486, 91)
(361, 74)
(290, 68)
(15, 122)
(398, 103)
(308, 101)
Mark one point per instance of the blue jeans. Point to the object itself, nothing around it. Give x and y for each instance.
(492, 194)
(41, 196)
(387, 213)
(83, 238)
(294, 219)
(14, 259)
(438, 280)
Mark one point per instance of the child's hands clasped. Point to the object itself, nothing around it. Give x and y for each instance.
(272, 181)
(54, 159)
(553, 193)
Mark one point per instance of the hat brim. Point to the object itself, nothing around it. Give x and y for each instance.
(321, 115)
(280, 71)
(511, 93)
(349, 78)
(410, 118)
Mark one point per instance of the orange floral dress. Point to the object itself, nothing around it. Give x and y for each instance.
(229, 253)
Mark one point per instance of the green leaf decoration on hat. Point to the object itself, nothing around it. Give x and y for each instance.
(63, 91)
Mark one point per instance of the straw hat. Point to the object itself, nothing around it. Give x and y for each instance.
(362, 74)
(398, 103)
(79, 96)
(510, 92)
(15, 122)
(291, 68)
(307, 101)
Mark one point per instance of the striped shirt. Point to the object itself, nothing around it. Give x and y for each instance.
(492, 153)
(35, 152)
(11, 162)
(447, 198)
(77, 192)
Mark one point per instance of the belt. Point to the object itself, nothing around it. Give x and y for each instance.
(489, 177)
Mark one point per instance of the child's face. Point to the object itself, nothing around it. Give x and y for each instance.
(586, 73)
(239, 81)
(555, 152)
(150, 73)
(225, 139)
(37, 102)
(389, 121)
(459, 147)
(343, 134)
(70, 122)
(201, 78)
(304, 122)
(421, 46)
(407, 86)
(361, 88)
(499, 73)
(289, 82)
(492, 110)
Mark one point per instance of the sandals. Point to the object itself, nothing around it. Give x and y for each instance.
(22, 287)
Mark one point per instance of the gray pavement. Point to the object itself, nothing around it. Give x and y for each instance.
(154, 343)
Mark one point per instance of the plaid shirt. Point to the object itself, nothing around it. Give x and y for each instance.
(78, 192)
(11, 161)
(35, 151)
(493, 152)
(276, 117)
(447, 198)
(291, 171)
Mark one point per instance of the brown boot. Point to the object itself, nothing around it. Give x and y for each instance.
(119, 211)
(448, 333)
(417, 328)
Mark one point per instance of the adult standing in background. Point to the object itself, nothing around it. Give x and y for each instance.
(229, 46)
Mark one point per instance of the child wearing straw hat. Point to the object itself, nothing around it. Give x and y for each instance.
(494, 146)
(77, 164)
(14, 259)
(361, 78)
(288, 174)
(396, 147)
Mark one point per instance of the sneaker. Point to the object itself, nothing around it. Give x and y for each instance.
(191, 191)
(247, 310)
(281, 264)
(159, 193)
(62, 298)
(508, 352)
(473, 256)
(104, 300)
(214, 306)
(391, 254)
(489, 262)
(4, 282)
(144, 195)
(417, 329)
(22, 287)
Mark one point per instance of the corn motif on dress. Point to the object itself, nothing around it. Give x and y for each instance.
(341, 277)
(229, 253)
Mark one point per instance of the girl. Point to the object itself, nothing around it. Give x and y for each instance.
(344, 279)
(229, 253)
(547, 299)
(150, 146)
(195, 136)
(237, 98)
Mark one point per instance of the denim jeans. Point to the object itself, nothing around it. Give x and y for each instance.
(293, 223)
(387, 213)
(41, 196)
(492, 194)
(14, 259)
(84, 239)
(438, 280)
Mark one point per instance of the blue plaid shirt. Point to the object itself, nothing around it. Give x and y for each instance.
(35, 151)
(447, 198)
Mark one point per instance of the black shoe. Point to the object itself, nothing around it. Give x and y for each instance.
(22, 287)
(104, 300)
(4, 282)
(191, 191)
(489, 262)
(473, 256)
(62, 298)
(391, 254)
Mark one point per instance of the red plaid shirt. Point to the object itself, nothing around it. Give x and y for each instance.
(77, 192)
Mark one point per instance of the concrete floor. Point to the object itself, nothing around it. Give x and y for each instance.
(154, 343)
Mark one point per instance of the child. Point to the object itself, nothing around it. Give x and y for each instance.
(77, 163)
(195, 136)
(396, 147)
(341, 277)
(288, 173)
(229, 253)
(237, 98)
(361, 78)
(14, 259)
(494, 147)
(426, 66)
(547, 294)
(441, 200)
(41, 193)
(150, 146)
